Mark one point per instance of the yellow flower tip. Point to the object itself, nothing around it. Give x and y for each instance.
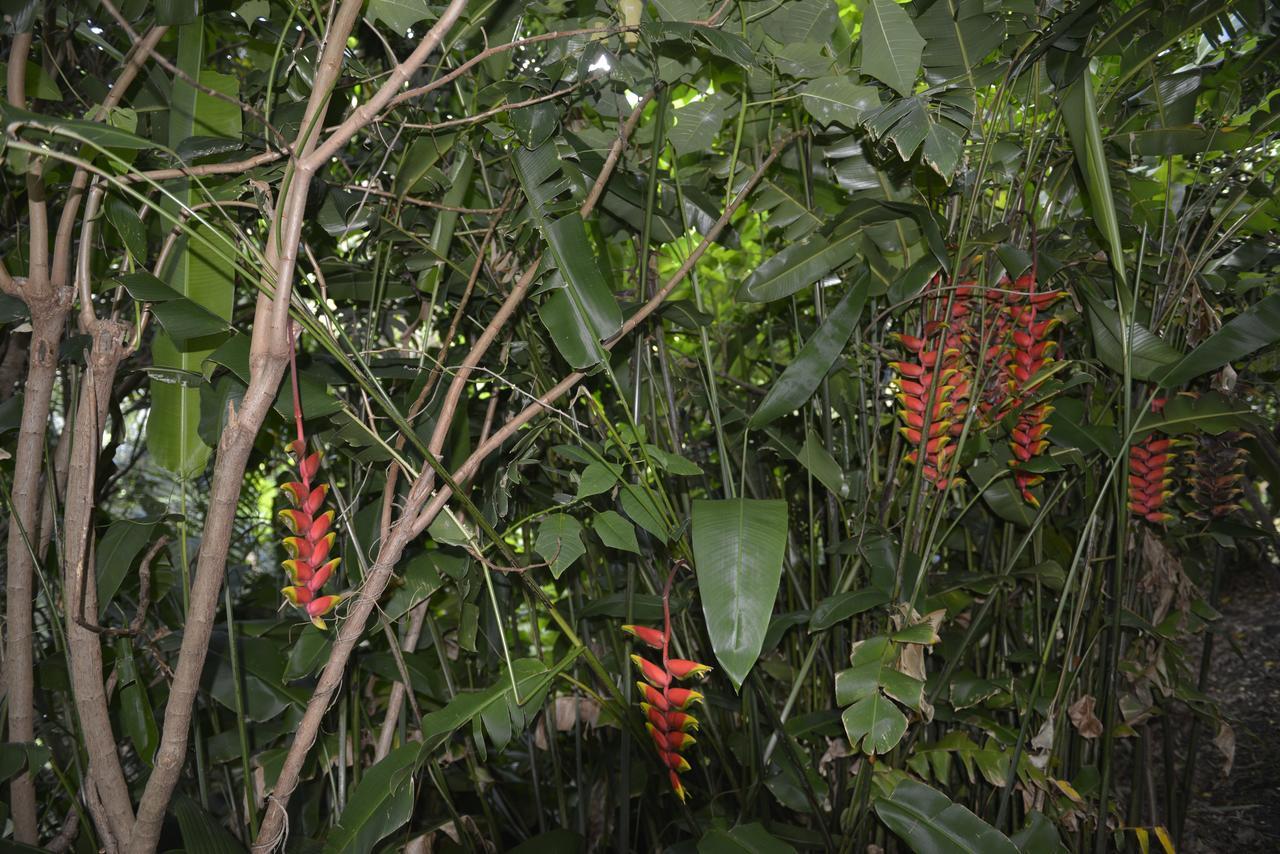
(291, 593)
(320, 624)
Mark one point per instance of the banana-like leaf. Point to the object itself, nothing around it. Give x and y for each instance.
(891, 47)
(1080, 112)
(1256, 327)
(801, 378)
(738, 546)
(200, 271)
(930, 823)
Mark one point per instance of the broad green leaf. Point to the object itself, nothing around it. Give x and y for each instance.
(423, 153)
(559, 542)
(19, 756)
(136, 713)
(738, 548)
(743, 839)
(999, 492)
(380, 803)
(1210, 412)
(200, 269)
(1080, 113)
(399, 15)
(421, 579)
(201, 832)
(697, 124)
(838, 99)
(803, 21)
(874, 724)
(1039, 836)
(616, 532)
(891, 47)
(41, 86)
(1149, 356)
(99, 134)
(719, 41)
(801, 378)
(117, 552)
(797, 267)
(310, 649)
(840, 607)
(596, 478)
(1256, 327)
(640, 507)
(930, 823)
(182, 319)
(958, 34)
(822, 465)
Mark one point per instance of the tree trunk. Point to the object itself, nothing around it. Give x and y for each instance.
(47, 321)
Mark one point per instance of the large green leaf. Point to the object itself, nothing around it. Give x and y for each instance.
(559, 542)
(743, 839)
(116, 554)
(200, 270)
(1149, 356)
(380, 803)
(930, 823)
(801, 378)
(738, 547)
(797, 267)
(838, 99)
(891, 47)
(201, 832)
(100, 134)
(1256, 327)
(957, 35)
(581, 310)
(1080, 113)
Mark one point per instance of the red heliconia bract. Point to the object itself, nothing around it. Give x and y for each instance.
(1215, 468)
(663, 705)
(1019, 355)
(309, 565)
(935, 381)
(1151, 474)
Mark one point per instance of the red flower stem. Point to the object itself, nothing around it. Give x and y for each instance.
(297, 400)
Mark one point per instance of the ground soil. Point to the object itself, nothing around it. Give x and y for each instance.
(1240, 812)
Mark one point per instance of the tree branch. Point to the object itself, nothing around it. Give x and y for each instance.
(267, 360)
(80, 589)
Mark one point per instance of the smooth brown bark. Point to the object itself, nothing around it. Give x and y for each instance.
(80, 590)
(42, 365)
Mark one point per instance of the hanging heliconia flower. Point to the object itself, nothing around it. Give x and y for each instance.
(934, 383)
(665, 706)
(1151, 474)
(309, 565)
(1030, 352)
(1214, 471)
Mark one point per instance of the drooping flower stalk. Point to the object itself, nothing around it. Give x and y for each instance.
(1151, 474)
(309, 565)
(934, 384)
(1215, 469)
(665, 705)
(1028, 352)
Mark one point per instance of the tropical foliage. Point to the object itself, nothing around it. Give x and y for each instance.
(907, 364)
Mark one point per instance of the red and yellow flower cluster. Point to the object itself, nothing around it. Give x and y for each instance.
(1022, 354)
(665, 706)
(934, 384)
(309, 565)
(1151, 474)
(1009, 349)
